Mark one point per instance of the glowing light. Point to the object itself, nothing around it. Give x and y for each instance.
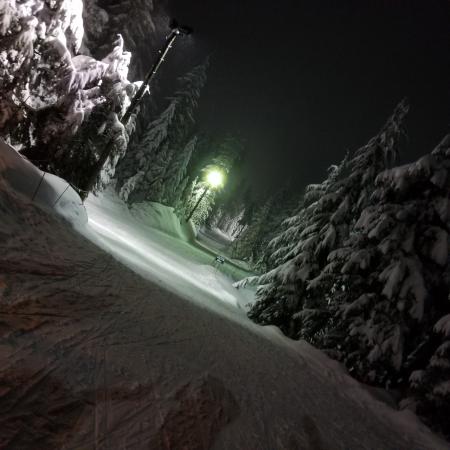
(215, 178)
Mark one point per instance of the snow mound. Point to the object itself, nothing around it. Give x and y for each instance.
(46, 190)
(163, 218)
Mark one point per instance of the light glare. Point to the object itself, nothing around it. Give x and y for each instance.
(214, 178)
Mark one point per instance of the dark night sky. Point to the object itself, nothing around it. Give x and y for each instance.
(302, 81)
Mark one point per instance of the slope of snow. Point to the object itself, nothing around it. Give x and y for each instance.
(164, 219)
(172, 263)
(215, 237)
(93, 355)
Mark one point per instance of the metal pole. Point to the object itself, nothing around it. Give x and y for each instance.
(38, 186)
(198, 203)
(59, 198)
(109, 146)
(139, 94)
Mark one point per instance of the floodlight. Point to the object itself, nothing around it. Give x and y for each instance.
(214, 178)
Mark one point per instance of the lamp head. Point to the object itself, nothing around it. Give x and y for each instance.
(215, 178)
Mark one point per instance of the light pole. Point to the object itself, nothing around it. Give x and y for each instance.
(177, 31)
(214, 179)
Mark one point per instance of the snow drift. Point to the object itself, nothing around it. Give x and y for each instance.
(163, 218)
(48, 191)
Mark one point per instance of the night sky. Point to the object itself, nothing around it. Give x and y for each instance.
(303, 81)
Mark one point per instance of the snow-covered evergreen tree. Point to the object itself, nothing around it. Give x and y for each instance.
(175, 177)
(378, 297)
(229, 153)
(232, 224)
(391, 276)
(400, 330)
(295, 256)
(248, 245)
(229, 220)
(45, 80)
(141, 173)
(294, 295)
(431, 385)
(203, 209)
(226, 152)
(141, 160)
(142, 24)
(252, 243)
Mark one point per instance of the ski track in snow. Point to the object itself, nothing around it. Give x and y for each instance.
(94, 356)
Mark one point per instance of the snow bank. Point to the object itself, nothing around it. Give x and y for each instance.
(48, 191)
(163, 218)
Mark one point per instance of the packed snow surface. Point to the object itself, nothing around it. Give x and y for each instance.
(163, 218)
(97, 356)
(171, 262)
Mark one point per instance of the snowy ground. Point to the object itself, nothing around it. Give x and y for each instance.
(97, 356)
(215, 238)
(172, 263)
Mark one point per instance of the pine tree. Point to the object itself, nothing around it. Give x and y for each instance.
(391, 286)
(141, 22)
(140, 165)
(252, 242)
(295, 294)
(229, 205)
(248, 246)
(48, 90)
(294, 255)
(416, 239)
(431, 385)
(391, 273)
(203, 209)
(213, 154)
(175, 177)
(140, 174)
